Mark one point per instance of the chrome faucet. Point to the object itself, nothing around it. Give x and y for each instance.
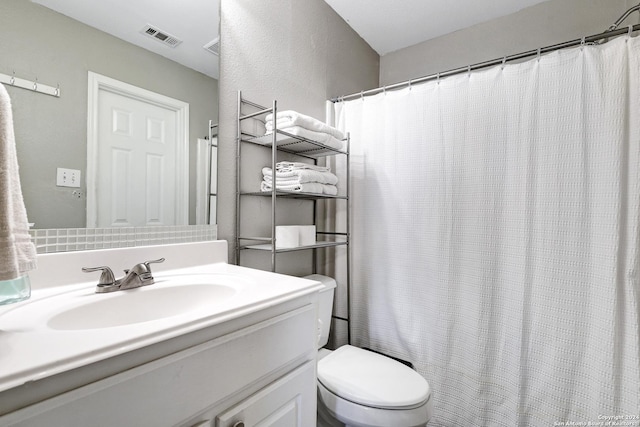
(138, 275)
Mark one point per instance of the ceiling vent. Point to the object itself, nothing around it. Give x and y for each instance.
(161, 36)
(213, 46)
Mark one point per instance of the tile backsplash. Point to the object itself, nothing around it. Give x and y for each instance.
(79, 239)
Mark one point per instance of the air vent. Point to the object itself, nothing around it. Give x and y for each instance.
(161, 36)
(213, 46)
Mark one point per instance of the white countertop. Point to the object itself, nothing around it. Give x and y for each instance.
(30, 350)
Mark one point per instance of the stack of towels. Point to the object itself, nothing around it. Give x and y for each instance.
(300, 177)
(306, 127)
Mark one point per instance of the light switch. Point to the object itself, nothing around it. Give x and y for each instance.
(68, 177)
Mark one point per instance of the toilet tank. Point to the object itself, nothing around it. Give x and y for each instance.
(325, 306)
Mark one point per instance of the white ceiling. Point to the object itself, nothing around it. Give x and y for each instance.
(389, 25)
(195, 22)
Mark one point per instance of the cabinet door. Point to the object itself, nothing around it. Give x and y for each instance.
(288, 402)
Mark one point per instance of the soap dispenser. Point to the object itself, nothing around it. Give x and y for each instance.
(15, 290)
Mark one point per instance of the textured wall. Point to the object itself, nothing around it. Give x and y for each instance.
(541, 25)
(36, 42)
(301, 53)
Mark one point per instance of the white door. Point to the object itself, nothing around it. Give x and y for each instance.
(137, 168)
(136, 162)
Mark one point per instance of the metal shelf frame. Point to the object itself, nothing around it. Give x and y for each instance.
(282, 141)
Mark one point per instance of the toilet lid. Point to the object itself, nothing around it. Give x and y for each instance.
(370, 379)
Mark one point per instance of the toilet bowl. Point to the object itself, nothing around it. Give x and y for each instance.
(360, 388)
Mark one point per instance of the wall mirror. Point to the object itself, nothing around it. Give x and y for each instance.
(164, 48)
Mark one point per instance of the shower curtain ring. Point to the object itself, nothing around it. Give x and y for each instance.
(409, 84)
(538, 56)
(630, 31)
(583, 42)
(504, 61)
(35, 84)
(469, 71)
(438, 78)
(12, 80)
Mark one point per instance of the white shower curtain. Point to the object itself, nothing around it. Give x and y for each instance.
(495, 237)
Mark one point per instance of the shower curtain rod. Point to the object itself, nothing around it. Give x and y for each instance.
(611, 32)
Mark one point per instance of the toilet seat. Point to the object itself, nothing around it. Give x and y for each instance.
(372, 380)
(353, 414)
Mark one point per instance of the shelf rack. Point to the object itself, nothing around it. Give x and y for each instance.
(281, 141)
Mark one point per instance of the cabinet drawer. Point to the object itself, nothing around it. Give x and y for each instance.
(172, 389)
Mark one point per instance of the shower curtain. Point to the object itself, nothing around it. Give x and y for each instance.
(495, 237)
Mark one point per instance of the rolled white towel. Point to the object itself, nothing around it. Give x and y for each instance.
(309, 187)
(302, 176)
(293, 118)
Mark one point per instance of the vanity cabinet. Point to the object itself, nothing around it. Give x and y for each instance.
(282, 403)
(261, 374)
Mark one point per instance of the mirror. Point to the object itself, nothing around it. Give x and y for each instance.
(44, 41)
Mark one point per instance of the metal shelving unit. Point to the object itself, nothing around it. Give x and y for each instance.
(284, 142)
(280, 141)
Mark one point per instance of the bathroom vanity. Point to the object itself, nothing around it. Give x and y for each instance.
(208, 344)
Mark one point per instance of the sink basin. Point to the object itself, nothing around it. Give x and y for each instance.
(83, 309)
(140, 305)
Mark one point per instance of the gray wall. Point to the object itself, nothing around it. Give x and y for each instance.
(36, 42)
(541, 25)
(301, 53)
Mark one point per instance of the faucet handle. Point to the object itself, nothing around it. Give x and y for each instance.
(143, 267)
(106, 278)
(142, 272)
(155, 261)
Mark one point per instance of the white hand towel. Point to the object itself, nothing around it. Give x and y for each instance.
(17, 252)
(292, 118)
(302, 176)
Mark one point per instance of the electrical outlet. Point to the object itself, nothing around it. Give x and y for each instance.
(68, 177)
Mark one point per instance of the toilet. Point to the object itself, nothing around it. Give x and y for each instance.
(360, 388)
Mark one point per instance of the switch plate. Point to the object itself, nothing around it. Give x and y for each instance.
(68, 177)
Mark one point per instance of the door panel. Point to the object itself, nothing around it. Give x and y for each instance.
(136, 162)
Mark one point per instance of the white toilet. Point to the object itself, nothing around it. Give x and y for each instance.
(360, 388)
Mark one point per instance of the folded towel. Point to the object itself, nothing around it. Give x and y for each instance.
(17, 252)
(284, 181)
(301, 176)
(309, 187)
(293, 118)
(323, 138)
(290, 166)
